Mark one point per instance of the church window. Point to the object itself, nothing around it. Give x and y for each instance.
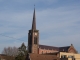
(30, 41)
(30, 33)
(35, 40)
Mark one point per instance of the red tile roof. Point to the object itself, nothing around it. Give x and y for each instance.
(42, 57)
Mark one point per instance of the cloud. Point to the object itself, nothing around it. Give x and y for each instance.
(57, 18)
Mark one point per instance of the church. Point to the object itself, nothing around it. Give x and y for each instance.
(44, 51)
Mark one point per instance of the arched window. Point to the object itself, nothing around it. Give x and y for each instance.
(35, 40)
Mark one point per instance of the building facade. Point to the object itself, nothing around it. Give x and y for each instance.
(33, 42)
(69, 56)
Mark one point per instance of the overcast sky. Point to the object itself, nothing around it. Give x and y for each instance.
(58, 22)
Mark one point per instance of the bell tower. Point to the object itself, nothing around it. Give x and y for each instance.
(33, 37)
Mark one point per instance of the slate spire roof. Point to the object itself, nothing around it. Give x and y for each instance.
(34, 21)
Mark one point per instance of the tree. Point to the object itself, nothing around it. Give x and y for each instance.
(22, 52)
(10, 51)
(22, 49)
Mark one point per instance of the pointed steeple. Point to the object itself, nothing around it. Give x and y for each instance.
(34, 20)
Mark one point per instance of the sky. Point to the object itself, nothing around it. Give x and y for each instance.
(58, 22)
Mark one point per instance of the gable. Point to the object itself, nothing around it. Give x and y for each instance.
(72, 49)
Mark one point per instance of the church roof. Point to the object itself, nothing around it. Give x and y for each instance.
(61, 49)
(48, 47)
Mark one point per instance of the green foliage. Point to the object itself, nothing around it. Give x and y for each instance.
(22, 49)
(22, 52)
(20, 58)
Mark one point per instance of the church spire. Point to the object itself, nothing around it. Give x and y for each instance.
(33, 36)
(34, 20)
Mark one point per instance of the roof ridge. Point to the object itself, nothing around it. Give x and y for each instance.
(49, 46)
(64, 46)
